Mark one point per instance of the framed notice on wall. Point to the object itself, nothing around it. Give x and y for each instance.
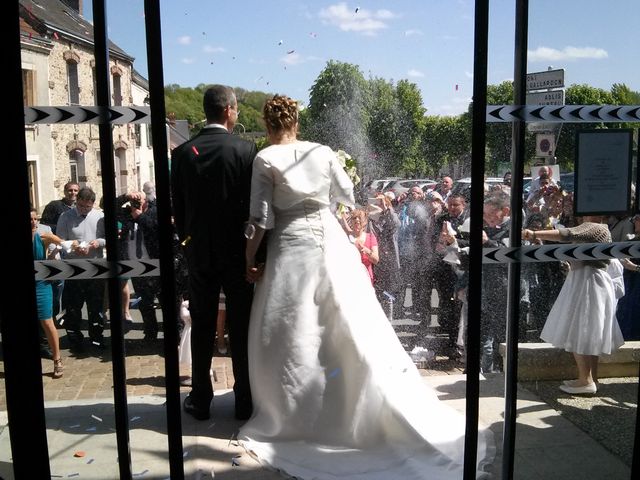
(603, 172)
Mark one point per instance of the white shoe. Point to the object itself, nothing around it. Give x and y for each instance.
(589, 388)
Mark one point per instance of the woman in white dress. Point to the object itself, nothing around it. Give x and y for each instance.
(335, 394)
(583, 317)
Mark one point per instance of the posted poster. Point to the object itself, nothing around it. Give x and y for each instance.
(603, 172)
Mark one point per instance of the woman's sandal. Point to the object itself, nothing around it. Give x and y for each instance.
(58, 369)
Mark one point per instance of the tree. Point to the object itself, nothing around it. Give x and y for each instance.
(337, 114)
(579, 95)
(412, 126)
(446, 140)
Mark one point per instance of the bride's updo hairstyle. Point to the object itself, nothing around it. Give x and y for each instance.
(280, 113)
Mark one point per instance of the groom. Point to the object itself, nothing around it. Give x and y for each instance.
(211, 183)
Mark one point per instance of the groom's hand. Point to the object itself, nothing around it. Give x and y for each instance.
(254, 273)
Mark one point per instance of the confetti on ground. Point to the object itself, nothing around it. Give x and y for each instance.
(79, 454)
(133, 419)
(213, 474)
(91, 429)
(334, 373)
(57, 476)
(90, 461)
(75, 426)
(235, 461)
(233, 435)
(184, 455)
(195, 150)
(211, 426)
(96, 418)
(141, 473)
(73, 475)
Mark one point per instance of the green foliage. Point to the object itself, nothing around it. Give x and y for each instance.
(186, 104)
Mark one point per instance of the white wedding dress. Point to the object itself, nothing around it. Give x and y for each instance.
(335, 395)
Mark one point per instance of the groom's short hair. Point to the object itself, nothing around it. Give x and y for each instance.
(216, 99)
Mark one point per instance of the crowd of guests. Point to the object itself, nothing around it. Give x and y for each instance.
(421, 238)
(415, 241)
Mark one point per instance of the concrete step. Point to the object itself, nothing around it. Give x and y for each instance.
(541, 361)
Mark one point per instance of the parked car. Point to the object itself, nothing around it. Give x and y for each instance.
(401, 186)
(372, 187)
(462, 186)
(566, 181)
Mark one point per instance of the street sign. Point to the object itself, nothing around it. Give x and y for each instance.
(545, 144)
(552, 97)
(545, 80)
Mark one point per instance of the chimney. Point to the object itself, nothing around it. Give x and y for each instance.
(75, 5)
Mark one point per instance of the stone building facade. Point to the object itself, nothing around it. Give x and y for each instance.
(59, 70)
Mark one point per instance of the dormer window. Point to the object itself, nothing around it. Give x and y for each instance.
(116, 73)
(73, 83)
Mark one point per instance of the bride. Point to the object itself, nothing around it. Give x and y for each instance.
(335, 394)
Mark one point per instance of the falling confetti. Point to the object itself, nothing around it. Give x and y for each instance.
(290, 52)
(280, 42)
(55, 35)
(195, 150)
(313, 34)
(357, 9)
(334, 373)
(456, 87)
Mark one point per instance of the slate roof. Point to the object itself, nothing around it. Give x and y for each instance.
(49, 16)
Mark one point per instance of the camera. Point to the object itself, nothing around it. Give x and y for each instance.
(135, 204)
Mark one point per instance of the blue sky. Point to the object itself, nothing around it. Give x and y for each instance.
(281, 46)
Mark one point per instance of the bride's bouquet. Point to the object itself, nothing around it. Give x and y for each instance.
(349, 165)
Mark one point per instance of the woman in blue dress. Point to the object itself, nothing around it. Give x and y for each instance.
(44, 293)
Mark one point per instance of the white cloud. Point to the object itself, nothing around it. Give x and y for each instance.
(292, 59)
(184, 40)
(547, 54)
(413, 31)
(415, 73)
(211, 49)
(366, 22)
(188, 60)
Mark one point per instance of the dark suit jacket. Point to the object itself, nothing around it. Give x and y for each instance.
(211, 185)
